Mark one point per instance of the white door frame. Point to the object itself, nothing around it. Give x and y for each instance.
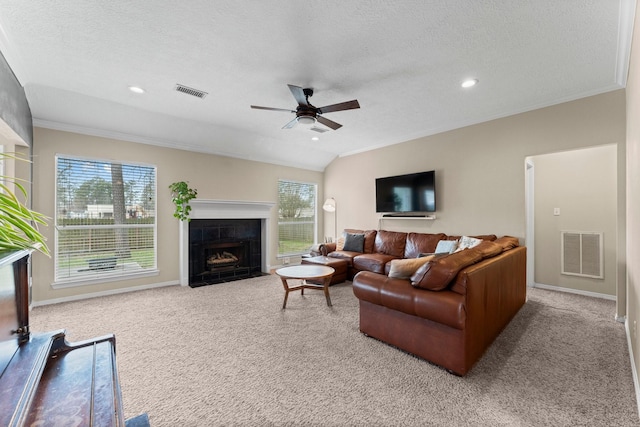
(529, 174)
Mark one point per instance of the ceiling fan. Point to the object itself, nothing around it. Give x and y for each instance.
(306, 113)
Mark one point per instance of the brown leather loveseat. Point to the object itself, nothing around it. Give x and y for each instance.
(447, 308)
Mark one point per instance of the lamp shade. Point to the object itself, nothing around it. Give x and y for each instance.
(329, 205)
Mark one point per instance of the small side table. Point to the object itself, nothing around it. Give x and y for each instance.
(306, 272)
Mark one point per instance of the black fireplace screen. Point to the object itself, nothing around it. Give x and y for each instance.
(222, 250)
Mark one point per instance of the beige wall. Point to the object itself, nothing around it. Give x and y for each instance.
(582, 184)
(633, 193)
(214, 177)
(479, 169)
(479, 172)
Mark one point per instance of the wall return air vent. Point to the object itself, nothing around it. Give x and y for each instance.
(582, 254)
(191, 91)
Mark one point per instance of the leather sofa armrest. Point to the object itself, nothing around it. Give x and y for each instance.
(317, 250)
(328, 247)
(322, 249)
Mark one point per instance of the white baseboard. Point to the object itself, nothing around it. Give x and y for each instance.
(103, 293)
(575, 291)
(634, 372)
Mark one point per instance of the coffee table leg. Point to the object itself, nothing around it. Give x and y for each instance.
(327, 281)
(286, 292)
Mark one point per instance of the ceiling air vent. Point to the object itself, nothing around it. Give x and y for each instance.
(319, 130)
(191, 91)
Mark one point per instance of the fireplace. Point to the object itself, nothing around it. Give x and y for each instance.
(224, 241)
(221, 250)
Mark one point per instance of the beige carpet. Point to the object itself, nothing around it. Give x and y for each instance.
(228, 355)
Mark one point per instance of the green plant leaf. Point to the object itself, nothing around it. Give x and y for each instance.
(19, 224)
(181, 195)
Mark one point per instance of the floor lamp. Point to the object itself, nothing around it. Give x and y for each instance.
(330, 206)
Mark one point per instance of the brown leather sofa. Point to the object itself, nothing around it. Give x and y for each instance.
(382, 246)
(451, 308)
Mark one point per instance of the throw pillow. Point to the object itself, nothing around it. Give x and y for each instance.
(467, 242)
(404, 268)
(446, 246)
(354, 242)
(340, 243)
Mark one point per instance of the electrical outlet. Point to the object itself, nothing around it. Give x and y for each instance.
(286, 260)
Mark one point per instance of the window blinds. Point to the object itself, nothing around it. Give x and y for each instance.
(105, 222)
(296, 217)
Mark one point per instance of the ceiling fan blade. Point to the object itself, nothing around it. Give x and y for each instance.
(329, 123)
(272, 109)
(349, 105)
(291, 124)
(298, 94)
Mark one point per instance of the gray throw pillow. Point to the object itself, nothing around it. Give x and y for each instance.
(446, 246)
(354, 242)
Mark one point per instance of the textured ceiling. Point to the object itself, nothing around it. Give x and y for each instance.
(402, 60)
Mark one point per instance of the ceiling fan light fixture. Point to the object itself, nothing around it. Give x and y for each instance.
(306, 120)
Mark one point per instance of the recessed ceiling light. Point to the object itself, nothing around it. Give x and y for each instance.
(469, 83)
(136, 89)
(315, 138)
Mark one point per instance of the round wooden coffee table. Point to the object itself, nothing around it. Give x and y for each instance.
(306, 273)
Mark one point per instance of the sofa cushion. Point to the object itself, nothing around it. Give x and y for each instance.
(348, 256)
(418, 243)
(440, 271)
(404, 268)
(372, 262)
(353, 242)
(489, 249)
(508, 242)
(390, 243)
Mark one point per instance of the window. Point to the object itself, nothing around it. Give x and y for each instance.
(296, 217)
(105, 224)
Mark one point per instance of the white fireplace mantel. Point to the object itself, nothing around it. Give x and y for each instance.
(224, 209)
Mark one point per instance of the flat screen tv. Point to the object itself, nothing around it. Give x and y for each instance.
(405, 194)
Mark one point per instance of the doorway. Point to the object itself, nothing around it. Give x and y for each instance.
(574, 191)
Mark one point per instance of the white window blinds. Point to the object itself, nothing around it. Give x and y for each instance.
(105, 225)
(296, 217)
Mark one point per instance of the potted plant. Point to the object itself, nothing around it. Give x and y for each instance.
(18, 224)
(181, 195)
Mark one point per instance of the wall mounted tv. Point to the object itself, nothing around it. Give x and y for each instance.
(406, 194)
